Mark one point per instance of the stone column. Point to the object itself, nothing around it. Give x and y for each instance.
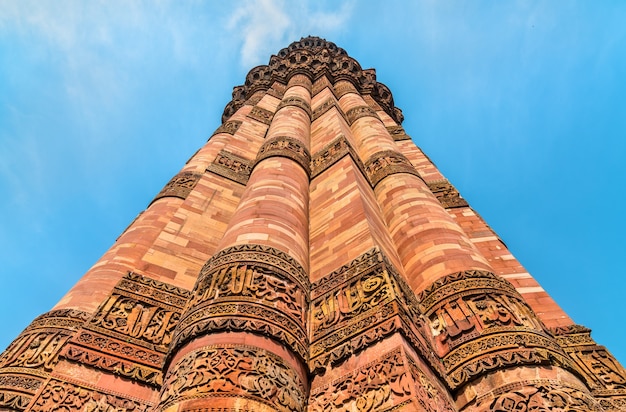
(241, 341)
(484, 333)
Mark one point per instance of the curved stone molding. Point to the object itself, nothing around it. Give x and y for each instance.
(358, 112)
(539, 395)
(480, 323)
(285, 146)
(398, 133)
(389, 382)
(179, 186)
(234, 371)
(314, 58)
(387, 163)
(29, 359)
(250, 288)
(297, 102)
(231, 166)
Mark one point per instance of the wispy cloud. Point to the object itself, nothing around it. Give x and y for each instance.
(265, 26)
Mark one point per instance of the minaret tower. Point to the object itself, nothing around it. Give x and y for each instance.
(309, 257)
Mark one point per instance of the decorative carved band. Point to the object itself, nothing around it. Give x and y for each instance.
(29, 359)
(601, 371)
(58, 395)
(261, 115)
(329, 155)
(179, 186)
(358, 112)
(342, 89)
(251, 288)
(398, 133)
(480, 323)
(234, 371)
(277, 90)
(447, 194)
(285, 146)
(131, 331)
(539, 395)
(297, 102)
(387, 163)
(359, 304)
(231, 166)
(391, 381)
(302, 82)
(229, 127)
(321, 84)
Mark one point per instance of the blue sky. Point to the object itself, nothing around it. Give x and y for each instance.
(521, 104)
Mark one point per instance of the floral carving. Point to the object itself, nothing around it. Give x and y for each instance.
(239, 371)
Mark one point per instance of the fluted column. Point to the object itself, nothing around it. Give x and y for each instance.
(479, 325)
(245, 323)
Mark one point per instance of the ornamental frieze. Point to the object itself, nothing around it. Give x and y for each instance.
(64, 396)
(261, 115)
(358, 112)
(447, 194)
(179, 186)
(229, 127)
(391, 381)
(398, 133)
(386, 163)
(479, 323)
(231, 166)
(234, 371)
(131, 331)
(250, 288)
(359, 304)
(332, 153)
(601, 371)
(296, 102)
(285, 146)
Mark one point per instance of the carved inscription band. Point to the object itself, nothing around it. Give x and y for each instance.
(480, 323)
(297, 102)
(285, 146)
(250, 288)
(387, 163)
(231, 166)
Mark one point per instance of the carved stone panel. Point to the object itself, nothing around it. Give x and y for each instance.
(398, 133)
(388, 383)
(285, 146)
(332, 153)
(479, 323)
(250, 288)
(386, 163)
(179, 186)
(229, 127)
(358, 112)
(63, 396)
(447, 194)
(359, 304)
(602, 373)
(234, 371)
(232, 167)
(261, 115)
(131, 331)
(28, 361)
(297, 102)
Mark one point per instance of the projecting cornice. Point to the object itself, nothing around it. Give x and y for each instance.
(313, 57)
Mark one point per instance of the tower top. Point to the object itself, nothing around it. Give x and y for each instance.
(314, 57)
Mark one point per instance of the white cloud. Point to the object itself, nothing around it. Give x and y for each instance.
(265, 26)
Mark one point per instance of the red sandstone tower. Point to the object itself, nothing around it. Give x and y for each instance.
(308, 258)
